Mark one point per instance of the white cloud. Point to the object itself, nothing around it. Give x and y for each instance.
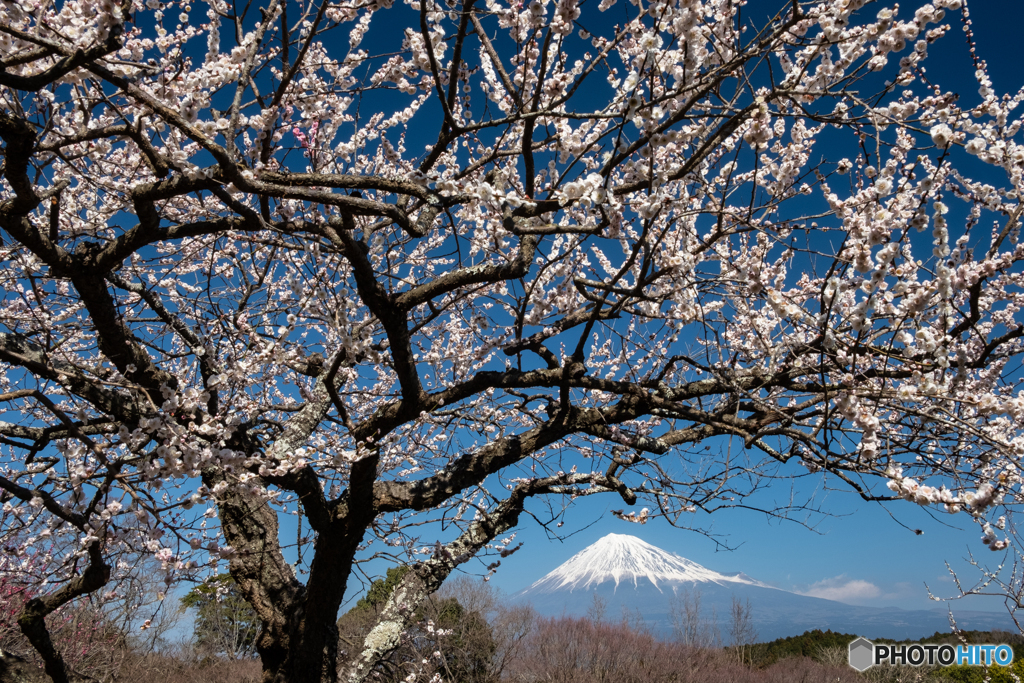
(843, 589)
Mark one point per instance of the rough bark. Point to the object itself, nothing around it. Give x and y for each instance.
(14, 669)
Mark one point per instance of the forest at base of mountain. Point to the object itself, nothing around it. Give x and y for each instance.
(828, 645)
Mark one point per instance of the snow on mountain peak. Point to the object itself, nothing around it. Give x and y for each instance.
(624, 558)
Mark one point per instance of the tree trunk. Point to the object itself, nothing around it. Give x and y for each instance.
(310, 652)
(311, 655)
(298, 640)
(14, 669)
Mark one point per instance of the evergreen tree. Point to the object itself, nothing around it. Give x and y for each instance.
(225, 623)
(456, 642)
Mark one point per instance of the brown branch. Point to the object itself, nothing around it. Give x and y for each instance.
(32, 618)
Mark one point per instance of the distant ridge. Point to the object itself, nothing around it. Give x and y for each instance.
(631, 576)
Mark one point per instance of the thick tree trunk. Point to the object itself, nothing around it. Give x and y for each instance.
(311, 653)
(312, 659)
(298, 641)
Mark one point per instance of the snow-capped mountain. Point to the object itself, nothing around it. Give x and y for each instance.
(630, 576)
(619, 557)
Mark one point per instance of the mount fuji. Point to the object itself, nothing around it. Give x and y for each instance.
(630, 576)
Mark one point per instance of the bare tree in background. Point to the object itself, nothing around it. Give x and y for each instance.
(139, 606)
(692, 626)
(597, 609)
(741, 627)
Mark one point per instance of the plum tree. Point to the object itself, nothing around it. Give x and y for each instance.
(378, 266)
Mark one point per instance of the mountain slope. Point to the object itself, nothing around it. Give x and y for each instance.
(630, 577)
(618, 557)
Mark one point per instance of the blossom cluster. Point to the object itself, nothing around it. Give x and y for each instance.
(252, 270)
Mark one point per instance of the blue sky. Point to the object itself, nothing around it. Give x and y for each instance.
(861, 555)
(864, 553)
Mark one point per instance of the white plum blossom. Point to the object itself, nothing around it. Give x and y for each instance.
(401, 274)
(941, 134)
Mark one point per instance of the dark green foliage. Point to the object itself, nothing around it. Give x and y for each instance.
(225, 623)
(811, 643)
(381, 589)
(977, 674)
(441, 625)
(467, 652)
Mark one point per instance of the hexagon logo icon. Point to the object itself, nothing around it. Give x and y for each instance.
(862, 654)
